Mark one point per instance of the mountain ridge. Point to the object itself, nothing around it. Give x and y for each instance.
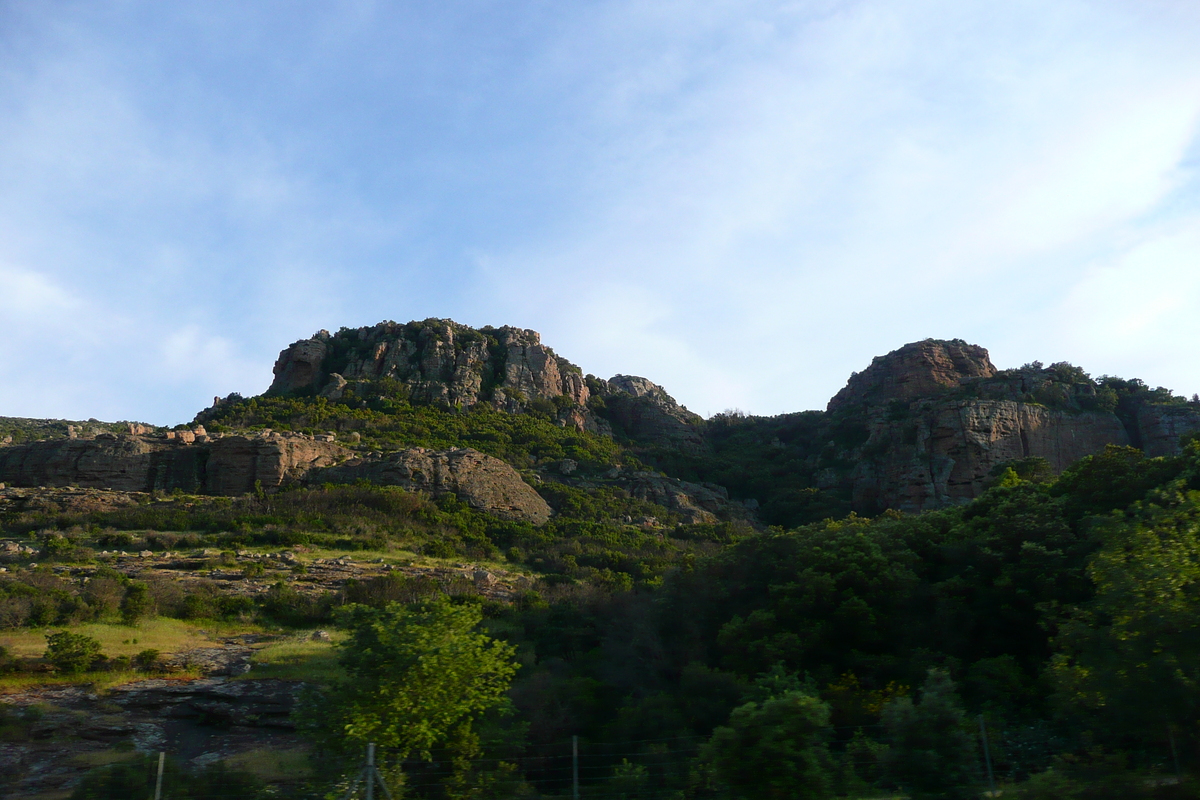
(924, 426)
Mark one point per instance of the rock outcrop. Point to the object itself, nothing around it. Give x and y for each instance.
(944, 453)
(438, 361)
(644, 412)
(227, 465)
(1159, 428)
(918, 370)
(694, 502)
(481, 481)
(926, 425)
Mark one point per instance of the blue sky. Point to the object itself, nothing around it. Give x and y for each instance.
(743, 201)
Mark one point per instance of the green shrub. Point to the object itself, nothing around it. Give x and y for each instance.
(72, 652)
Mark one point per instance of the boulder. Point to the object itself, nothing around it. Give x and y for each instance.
(481, 481)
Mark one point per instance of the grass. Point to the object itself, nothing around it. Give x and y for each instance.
(99, 681)
(102, 758)
(296, 659)
(162, 633)
(408, 558)
(272, 766)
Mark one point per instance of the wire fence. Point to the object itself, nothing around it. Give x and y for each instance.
(641, 769)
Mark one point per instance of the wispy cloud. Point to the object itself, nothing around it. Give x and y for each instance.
(742, 201)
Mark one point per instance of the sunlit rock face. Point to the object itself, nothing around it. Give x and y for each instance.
(439, 361)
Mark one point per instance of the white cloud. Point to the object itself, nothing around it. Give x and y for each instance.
(31, 298)
(741, 201)
(884, 173)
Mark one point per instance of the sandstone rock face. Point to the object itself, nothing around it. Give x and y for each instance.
(648, 415)
(126, 464)
(237, 463)
(917, 370)
(944, 453)
(301, 365)
(481, 481)
(438, 361)
(1159, 427)
(229, 465)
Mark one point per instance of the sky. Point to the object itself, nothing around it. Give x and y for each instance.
(742, 201)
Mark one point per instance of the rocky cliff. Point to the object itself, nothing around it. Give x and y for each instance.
(930, 423)
(187, 460)
(917, 370)
(482, 482)
(233, 465)
(438, 361)
(646, 414)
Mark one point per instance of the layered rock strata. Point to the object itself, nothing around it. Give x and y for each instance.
(129, 463)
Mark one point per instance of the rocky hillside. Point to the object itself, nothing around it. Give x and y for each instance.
(925, 426)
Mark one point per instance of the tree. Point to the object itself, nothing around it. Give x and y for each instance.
(416, 679)
(774, 750)
(932, 753)
(136, 604)
(72, 652)
(1133, 653)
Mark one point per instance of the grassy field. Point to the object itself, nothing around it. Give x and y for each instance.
(162, 633)
(99, 681)
(272, 766)
(297, 659)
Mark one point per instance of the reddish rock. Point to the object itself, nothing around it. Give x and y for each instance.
(944, 453)
(917, 370)
(237, 464)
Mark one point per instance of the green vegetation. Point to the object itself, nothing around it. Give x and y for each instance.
(134, 779)
(415, 679)
(72, 652)
(385, 419)
(830, 654)
(24, 430)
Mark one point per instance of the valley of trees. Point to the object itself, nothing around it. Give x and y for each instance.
(827, 655)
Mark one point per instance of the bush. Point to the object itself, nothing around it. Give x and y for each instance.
(147, 659)
(776, 749)
(932, 753)
(72, 652)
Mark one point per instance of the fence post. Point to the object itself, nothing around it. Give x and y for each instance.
(575, 767)
(371, 771)
(162, 757)
(987, 757)
(1174, 753)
